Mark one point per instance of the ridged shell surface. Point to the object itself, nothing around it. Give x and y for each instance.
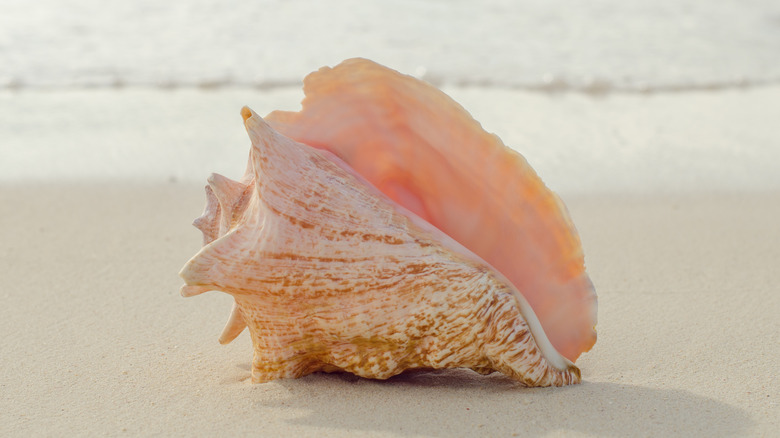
(329, 274)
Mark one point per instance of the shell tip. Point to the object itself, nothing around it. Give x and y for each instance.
(255, 125)
(246, 113)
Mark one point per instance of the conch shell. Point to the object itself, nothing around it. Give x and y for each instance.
(330, 272)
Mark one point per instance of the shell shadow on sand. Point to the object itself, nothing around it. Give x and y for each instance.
(467, 404)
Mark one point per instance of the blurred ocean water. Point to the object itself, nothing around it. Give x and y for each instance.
(603, 95)
(538, 44)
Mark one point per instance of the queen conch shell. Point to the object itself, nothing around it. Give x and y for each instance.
(381, 229)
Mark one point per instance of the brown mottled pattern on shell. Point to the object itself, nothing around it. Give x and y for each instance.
(474, 324)
(329, 274)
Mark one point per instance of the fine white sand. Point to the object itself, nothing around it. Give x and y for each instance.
(97, 341)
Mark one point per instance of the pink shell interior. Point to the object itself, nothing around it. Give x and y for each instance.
(424, 151)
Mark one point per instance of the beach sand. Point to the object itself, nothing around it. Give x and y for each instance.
(97, 340)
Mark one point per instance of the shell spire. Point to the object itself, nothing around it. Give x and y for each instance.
(224, 198)
(208, 222)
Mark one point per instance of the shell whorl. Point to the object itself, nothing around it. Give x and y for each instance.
(225, 201)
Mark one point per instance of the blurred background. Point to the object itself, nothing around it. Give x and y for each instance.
(600, 96)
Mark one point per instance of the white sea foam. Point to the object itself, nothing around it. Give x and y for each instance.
(594, 46)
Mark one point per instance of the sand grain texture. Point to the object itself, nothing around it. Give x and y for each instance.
(96, 339)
